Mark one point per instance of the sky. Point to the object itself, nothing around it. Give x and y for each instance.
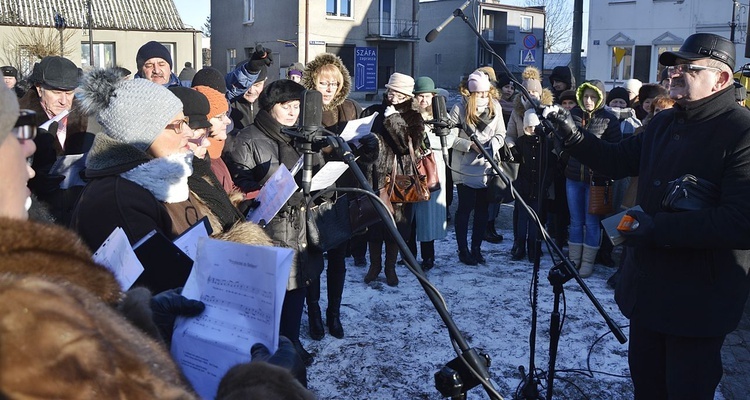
(194, 12)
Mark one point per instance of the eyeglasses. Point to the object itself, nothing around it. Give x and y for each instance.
(332, 85)
(395, 96)
(25, 128)
(198, 140)
(684, 68)
(179, 126)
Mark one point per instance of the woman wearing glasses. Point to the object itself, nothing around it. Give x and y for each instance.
(398, 123)
(139, 166)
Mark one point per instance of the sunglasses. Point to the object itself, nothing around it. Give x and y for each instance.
(25, 128)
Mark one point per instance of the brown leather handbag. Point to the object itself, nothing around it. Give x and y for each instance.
(427, 166)
(601, 196)
(407, 188)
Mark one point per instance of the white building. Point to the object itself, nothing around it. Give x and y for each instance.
(646, 28)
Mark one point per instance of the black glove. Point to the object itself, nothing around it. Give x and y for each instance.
(642, 231)
(260, 58)
(285, 356)
(246, 207)
(565, 128)
(169, 305)
(369, 148)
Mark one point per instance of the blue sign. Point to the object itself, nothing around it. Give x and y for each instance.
(530, 42)
(528, 56)
(366, 69)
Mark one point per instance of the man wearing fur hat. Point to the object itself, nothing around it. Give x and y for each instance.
(154, 62)
(684, 280)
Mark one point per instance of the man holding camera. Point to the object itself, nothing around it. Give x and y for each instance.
(685, 276)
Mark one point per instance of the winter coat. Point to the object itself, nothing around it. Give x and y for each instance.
(469, 167)
(430, 216)
(599, 122)
(253, 157)
(242, 113)
(629, 123)
(691, 277)
(132, 190)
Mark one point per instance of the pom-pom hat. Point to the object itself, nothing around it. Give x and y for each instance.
(532, 79)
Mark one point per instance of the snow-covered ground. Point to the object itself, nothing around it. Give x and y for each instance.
(395, 340)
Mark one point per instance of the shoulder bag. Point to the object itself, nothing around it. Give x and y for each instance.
(407, 188)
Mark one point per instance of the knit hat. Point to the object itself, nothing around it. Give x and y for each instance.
(489, 71)
(294, 72)
(194, 105)
(216, 100)
(532, 79)
(632, 85)
(9, 111)
(740, 92)
(569, 94)
(151, 50)
(562, 73)
(619, 93)
(650, 91)
(295, 69)
(210, 77)
(56, 72)
(133, 111)
(424, 84)
(280, 91)
(9, 71)
(401, 83)
(503, 80)
(478, 82)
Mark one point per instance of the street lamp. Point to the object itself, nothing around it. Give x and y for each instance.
(60, 25)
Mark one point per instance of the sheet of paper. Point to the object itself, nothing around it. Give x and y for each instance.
(70, 167)
(117, 255)
(327, 175)
(188, 240)
(56, 118)
(243, 287)
(298, 165)
(273, 195)
(357, 128)
(610, 226)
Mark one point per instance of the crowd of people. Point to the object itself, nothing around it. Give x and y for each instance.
(161, 152)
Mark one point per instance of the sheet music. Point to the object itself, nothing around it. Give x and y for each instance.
(69, 166)
(327, 175)
(243, 287)
(188, 240)
(357, 128)
(117, 255)
(273, 195)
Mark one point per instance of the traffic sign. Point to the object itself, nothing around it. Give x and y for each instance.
(528, 56)
(529, 41)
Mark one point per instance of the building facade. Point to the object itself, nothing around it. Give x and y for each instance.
(626, 37)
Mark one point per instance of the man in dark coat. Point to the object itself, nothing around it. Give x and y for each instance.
(685, 276)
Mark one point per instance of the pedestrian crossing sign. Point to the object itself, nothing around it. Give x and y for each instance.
(528, 56)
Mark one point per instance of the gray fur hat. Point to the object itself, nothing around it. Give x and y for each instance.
(9, 111)
(131, 111)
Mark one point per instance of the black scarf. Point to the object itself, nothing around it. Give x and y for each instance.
(207, 187)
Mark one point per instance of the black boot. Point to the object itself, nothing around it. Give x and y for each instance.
(476, 252)
(428, 255)
(306, 357)
(335, 292)
(491, 234)
(376, 261)
(391, 253)
(465, 257)
(390, 275)
(519, 250)
(314, 318)
(428, 264)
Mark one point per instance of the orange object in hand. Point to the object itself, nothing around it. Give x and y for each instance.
(627, 224)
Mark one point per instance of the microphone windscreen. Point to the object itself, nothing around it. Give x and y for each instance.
(311, 114)
(439, 111)
(432, 35)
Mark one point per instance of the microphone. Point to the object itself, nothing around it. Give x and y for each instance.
(310, 121)
(433, 33)
(442, 127)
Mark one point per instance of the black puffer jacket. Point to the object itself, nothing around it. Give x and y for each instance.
(692, 278)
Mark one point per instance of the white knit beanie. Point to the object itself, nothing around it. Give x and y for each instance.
(130, 111)
(478, 82)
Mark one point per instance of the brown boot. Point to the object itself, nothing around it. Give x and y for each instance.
(373, 273)
(390, 275)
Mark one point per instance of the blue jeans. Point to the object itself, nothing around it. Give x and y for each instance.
(580, 220)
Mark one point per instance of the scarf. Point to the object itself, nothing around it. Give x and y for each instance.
(204, 184)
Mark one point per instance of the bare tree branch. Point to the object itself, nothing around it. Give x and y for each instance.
(558, 26)
(30, 43)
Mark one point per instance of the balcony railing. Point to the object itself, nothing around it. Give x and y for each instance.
(394, 28)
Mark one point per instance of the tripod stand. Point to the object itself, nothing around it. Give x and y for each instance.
(563, 272)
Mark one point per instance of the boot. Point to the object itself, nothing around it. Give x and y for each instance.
(428, 264)
(373, 273)
(587, 261)
(465, 257)
(390, 275)
(335, 292)
(604, 256)
(491, 234)
(376, 261)
(518, 251)
(314, 318)
(306, 357)
(428, 255)
(575, 251)
(476, 252)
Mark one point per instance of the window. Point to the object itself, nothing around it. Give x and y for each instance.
(339, 8)
(526, 24)
(249, 15)
(387, 17)
(661, 49)
(621, 62)
(231, 59)
(26, 60)
(171, 47)
(104, 55)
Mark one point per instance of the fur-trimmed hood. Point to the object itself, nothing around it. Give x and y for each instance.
(546, 99)
(308, 78)
(56, 254)
(598, 86)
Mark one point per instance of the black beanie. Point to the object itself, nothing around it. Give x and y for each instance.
(280, 91)
(195, 106)
(569, 94)
(210, 77)
(150, 50)
(650, 91)
(619, 93)
(502, 80)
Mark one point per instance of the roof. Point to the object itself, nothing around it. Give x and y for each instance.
(552, 60)
(150, 15)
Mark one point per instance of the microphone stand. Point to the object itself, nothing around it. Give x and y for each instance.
(559, 274)
(471, 359)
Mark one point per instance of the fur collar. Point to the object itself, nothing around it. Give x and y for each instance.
(166, 177)
(308, 80)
